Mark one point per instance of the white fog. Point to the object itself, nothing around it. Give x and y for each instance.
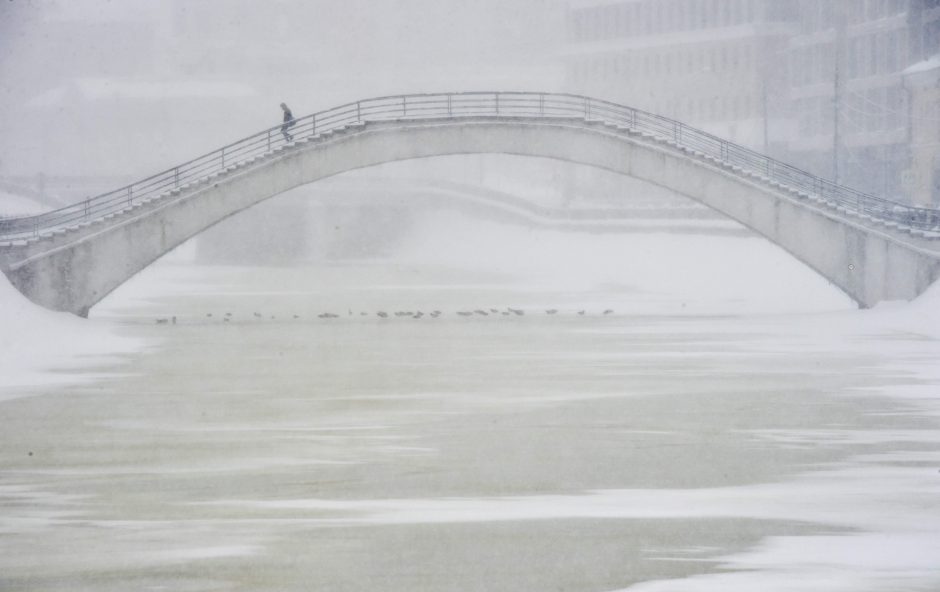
(580, 295)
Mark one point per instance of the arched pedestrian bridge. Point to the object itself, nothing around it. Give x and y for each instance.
(872, 248)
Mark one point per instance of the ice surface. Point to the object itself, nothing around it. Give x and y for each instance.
(12, 206)
(698, 273)
(878, 512)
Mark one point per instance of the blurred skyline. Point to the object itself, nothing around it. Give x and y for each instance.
(125, 88)
(97, 88)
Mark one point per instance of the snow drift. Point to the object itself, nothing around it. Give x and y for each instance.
(38, 345)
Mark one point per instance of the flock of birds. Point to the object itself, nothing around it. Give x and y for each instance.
(479, 312)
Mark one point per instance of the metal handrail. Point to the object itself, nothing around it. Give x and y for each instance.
(430, 106)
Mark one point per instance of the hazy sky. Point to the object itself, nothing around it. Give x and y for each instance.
(312, 54)
(338, 35)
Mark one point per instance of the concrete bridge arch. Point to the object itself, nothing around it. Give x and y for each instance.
(75, 268)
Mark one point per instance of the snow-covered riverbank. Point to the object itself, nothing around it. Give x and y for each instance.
(39, 347)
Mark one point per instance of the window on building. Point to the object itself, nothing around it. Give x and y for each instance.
(827, 15)
(864, 57)
(852, 59)
(932, 34)
(897, 103)
(686, 15)
(876, 109)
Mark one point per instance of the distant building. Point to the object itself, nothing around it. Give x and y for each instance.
(922, 179)
(713, 63)
(849, 59)
(773, 74)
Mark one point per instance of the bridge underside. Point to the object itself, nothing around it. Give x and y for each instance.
(73, 270)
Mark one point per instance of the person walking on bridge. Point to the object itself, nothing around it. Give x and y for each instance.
(288, 123)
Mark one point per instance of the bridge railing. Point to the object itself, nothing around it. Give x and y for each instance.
(465, 105)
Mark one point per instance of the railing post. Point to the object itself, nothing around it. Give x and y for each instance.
(404, 106)
(269, 140)
(87, 204)
(587, 108)
(497, 104)
(130, 194)
(633, 120)
(450, 106)
(313, 125)
(677, 132)
(176, 176)
(541, 104)
(223, 158)
(358, 111)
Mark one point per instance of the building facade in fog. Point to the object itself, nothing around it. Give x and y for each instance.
(712, 63)
(852, 114)
(922, 179)
(774, 74)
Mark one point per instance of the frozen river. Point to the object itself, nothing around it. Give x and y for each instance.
(254, 445)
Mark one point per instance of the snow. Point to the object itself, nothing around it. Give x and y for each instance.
(36, 344)
(932, 63)
(671, 273)
(864, 500)
(95, 89)
(883, 506)
(921, 316)
(12, 206)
